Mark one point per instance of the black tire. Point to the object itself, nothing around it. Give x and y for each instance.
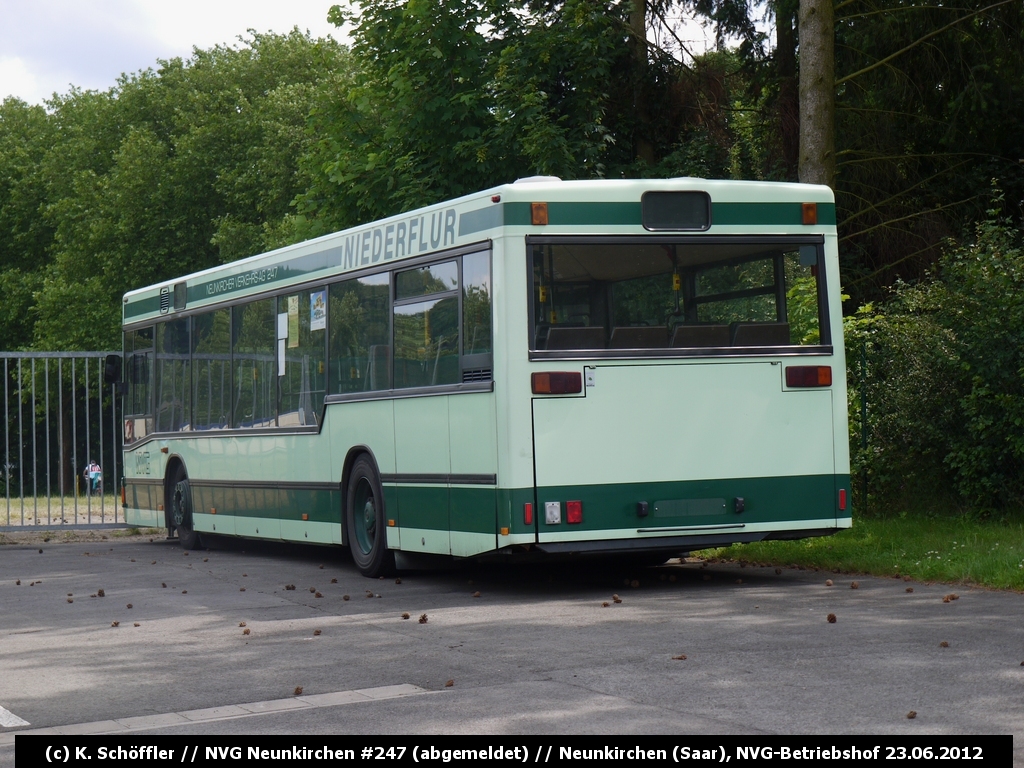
(365, 521)
(180, 506)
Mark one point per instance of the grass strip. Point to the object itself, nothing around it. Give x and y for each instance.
(954, 550)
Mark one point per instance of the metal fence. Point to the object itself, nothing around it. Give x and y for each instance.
(60, 419)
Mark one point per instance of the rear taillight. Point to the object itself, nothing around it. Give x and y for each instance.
(842, 499)
(556, 382)
(809, 376)
(574, 512)
(528, 513)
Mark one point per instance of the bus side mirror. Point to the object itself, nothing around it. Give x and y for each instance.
(112, 369)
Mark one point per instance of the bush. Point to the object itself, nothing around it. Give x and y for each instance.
(944, 381)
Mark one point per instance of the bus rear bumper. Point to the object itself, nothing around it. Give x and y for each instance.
(676, 544)
(670, 545)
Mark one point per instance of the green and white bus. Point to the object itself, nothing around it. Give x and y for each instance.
(641, 368)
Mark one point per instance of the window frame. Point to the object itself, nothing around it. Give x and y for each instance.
(391, 269)
(824, 346)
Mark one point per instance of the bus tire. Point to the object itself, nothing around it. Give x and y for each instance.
(365, 523)
(180, 505)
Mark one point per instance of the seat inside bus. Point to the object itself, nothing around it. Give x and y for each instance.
(702, 335)
(639, 337)
(576, 337)
(759, 334)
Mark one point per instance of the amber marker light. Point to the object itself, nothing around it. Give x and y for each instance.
(539, 214)
(810, 213)
(556, 382)
(809, 376)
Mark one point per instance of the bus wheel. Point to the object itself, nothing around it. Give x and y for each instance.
(365, 525)
(181, 510)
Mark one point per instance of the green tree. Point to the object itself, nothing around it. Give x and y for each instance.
(929, 100)
(169, 172)
(25, 136)
(453, 97)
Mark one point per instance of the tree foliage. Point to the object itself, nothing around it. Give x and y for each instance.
(930, 99)
(453, 97)
(171, 171)
(945, 378)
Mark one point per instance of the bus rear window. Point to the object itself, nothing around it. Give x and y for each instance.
(692, 293)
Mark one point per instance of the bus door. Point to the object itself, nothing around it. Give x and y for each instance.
(446, 457)
(423, 467)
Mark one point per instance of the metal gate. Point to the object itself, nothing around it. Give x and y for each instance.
(62, 442)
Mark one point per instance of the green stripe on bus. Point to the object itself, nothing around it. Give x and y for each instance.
(487, 510)
(614, 506)
(145, 496)
(767, 214)
(698, 502)
(590, 214)
(629, 214)
(436, 507)
(511, 502)
(319, 505)
(145, 306)
(440, 508)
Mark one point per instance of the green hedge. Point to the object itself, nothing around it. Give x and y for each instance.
(941, 368)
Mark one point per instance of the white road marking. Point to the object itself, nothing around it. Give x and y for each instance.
(226, 712)
(10, 720)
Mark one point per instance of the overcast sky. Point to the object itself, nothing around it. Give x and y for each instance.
(47, 46)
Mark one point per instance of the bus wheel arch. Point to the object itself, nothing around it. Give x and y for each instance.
(365, 517)
(178, 504)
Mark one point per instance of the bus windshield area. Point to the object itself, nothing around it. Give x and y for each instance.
(704, 293)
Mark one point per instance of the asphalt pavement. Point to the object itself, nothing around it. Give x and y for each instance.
(131, 635)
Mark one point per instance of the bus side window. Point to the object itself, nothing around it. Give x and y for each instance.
(138, 405)
(426, 326)
(254, 356)
(303, 380)
(172, 384)
(476, 317)
(139, 376)
(427, 343)
(211, 369)
(359, 333)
